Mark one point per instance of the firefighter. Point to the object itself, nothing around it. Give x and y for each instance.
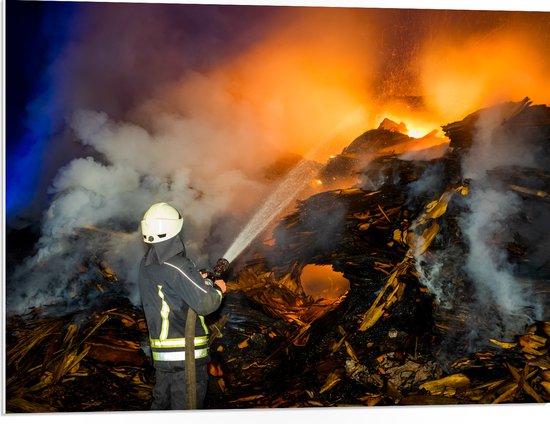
(172, 290)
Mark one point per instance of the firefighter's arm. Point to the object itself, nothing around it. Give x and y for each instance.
(201, 295)
(220, 284)
(208, 303)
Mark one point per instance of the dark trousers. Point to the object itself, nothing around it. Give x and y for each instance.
(169, 390)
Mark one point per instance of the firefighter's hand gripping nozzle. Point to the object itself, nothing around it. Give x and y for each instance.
(219, 270)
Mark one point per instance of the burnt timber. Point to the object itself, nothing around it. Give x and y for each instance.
(387, 341)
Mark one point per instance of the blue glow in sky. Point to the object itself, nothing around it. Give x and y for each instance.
(36, 34)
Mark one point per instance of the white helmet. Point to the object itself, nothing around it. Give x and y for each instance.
(161, 222)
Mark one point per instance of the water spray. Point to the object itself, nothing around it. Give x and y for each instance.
(287, 190)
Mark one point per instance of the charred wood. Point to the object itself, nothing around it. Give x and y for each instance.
(389, 340)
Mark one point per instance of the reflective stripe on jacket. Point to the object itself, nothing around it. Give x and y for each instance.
(167, 291)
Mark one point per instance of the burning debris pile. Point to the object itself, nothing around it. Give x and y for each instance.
(416, 326)
(446, 263)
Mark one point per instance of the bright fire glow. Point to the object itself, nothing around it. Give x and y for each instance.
(416, 126)
(321, 281)
(500, 66)
(315, 81)
(419, 126)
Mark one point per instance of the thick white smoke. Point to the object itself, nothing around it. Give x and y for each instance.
(185, 107)
(484, 281)
(487, 224)
(206, 165)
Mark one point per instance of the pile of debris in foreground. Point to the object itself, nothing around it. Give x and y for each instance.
(85, 361)
(389, 340)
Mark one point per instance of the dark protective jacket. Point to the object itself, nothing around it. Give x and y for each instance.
(170, 284)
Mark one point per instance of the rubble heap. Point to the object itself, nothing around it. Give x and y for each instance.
(394, 338)
(390, 339)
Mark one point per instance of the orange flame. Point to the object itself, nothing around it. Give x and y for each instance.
(306, 86)
(459, 78)
(320, 76)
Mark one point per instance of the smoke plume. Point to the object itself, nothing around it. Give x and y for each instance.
(487, 225)
(492, 294)
(197, 129)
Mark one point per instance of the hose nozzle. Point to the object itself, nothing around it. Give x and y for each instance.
(221, 267)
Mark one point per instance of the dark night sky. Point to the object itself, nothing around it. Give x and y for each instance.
(35, 32)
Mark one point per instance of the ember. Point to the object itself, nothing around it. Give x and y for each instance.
(402, 326)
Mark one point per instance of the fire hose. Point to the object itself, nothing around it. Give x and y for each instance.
(190, 369)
